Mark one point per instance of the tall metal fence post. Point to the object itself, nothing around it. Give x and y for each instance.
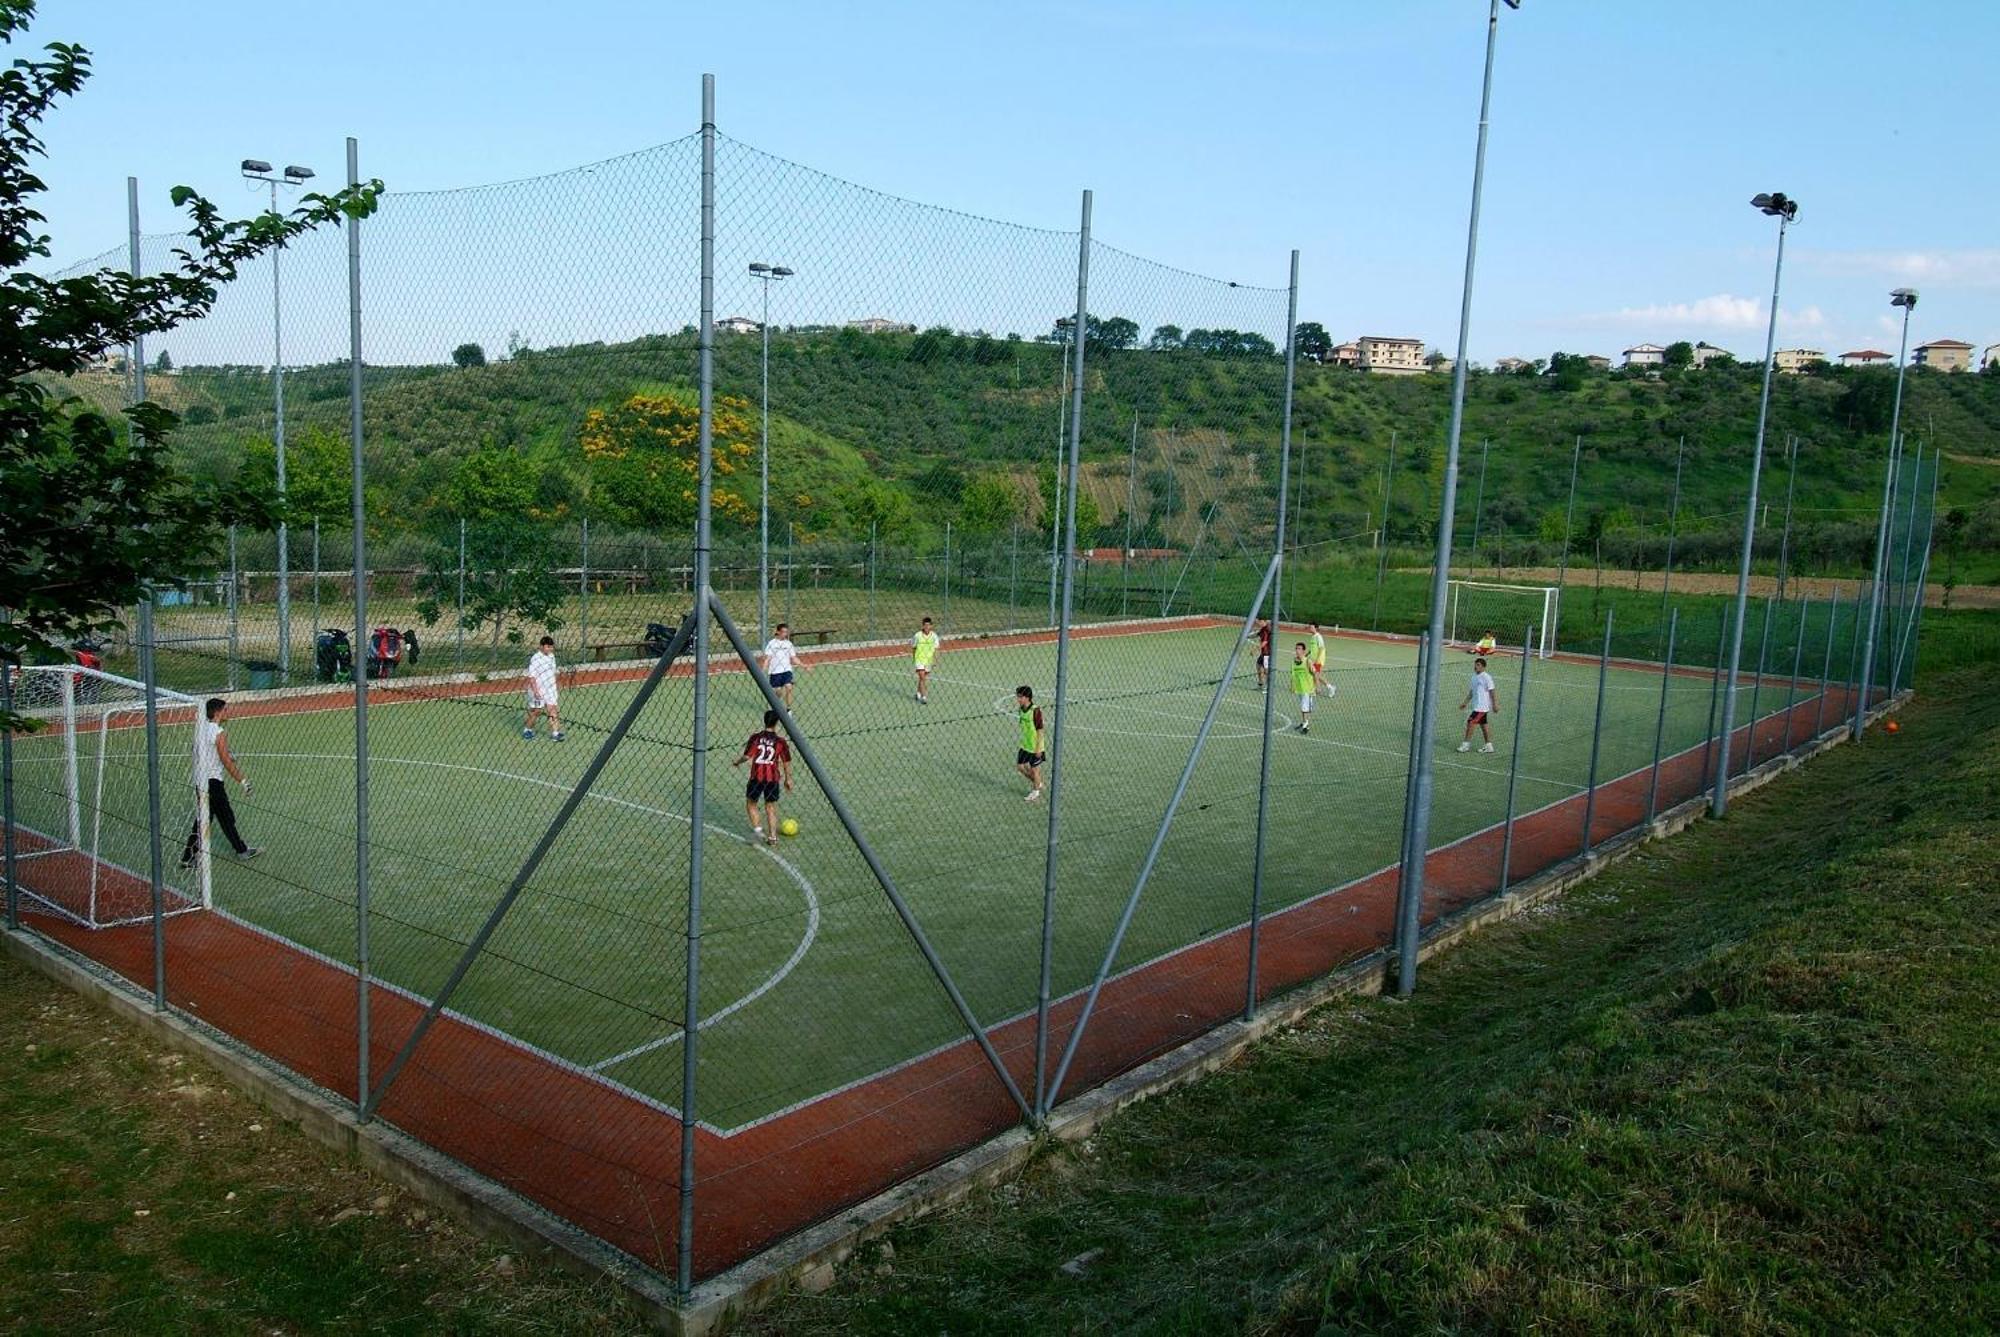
(1271, 677)
(1131, 505)
(583, 590)
(1597, 731)
(873, 562)
(235, 576)
(1878, 573)
(1785, 538)
(1382, 544)
(1756, 689)
(946, 615)
(1714, 696)
(1514, 759)
(697, 799)
(1405, 873)
(791, 564)
(1660, 724)
(1065, 527)
(1569, 525)
(461, 596)
(1479, 504)
(1924, 572)
(1673, 524)
(1903, 618)
(316, 628)
(155, 863)
(1798, 659)
(1906, 638)
(7, 852)
(1014, 580)
(362, 982)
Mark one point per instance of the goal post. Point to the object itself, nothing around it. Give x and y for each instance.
(82, 811)
(1507, 611)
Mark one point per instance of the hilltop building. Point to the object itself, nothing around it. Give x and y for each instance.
(1344, 355)
(1795, 361)
(1945, 355)
(1390, 356)
(1866, 357)
(1508, 366)
(1597, 361)
(736, 325)
(1705, 353)
(1645, 355)
(880, 325)
(1990, 356)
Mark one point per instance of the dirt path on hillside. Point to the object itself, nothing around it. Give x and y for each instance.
(1719, 582)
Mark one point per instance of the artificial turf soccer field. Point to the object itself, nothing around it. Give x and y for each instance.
(809, 983)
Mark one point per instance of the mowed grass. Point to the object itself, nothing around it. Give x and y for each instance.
(1748, 1081)
(809, 982)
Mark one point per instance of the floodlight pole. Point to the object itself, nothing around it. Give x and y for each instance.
(1426, 738)
(293, 176)
(767, 275)
(1784, 210)
(1907, 299)
(364, 1105)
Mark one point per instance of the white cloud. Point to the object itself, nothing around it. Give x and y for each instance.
(1718, 313)
(1972, 267)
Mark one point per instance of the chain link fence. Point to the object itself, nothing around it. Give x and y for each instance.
(676, 878)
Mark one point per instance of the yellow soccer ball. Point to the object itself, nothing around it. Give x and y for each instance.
(789, 827)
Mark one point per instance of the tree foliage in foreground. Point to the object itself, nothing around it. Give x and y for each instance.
(96, 509)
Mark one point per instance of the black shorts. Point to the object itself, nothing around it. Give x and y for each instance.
(1023, 757)
(782, 679)
(1477, 717)
(761, 791)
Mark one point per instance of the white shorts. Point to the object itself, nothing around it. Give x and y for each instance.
(1305, 703)
(536, 703)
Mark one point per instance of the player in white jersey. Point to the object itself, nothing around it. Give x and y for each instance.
(780, 662)
(542, 691)
(1484, 698)
(212, 763)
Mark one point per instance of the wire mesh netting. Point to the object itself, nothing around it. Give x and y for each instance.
(1045, 764)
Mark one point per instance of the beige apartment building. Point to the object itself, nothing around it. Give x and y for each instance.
(1792, 361)
(1945, 355)
(1990, 356)
(1344, 355)
(1866, 357)
(1393, 357)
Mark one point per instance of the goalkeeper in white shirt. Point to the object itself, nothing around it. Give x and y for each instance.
(542, 692)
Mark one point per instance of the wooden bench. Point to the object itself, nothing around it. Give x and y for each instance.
(820, 637)
(603, 648)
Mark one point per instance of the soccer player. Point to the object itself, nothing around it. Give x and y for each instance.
(924, 649)
(1485, 646)
(211, 763)
(1483, 697)
(1303, 674)
(1028, 757)
(1263, 651)
(542, 690)
(770, 758)
(1316, 656)
(779, 660)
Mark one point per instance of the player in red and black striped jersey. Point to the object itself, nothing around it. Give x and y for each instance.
(770, 758)
(1263, 635)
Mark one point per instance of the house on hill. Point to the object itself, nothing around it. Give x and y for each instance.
(1705, 353)
(880, 325)
(1645, 355)
(1990, 357)
(1796, 361)
(736, 325)
(1391, 356)
(1345, 355)
(1945, 355)
(1597, 361)
(1508, 366)
(1866, 357)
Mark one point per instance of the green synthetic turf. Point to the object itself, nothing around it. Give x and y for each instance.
(808, 981)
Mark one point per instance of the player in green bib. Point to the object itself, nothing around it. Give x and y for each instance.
(1028, 757)
(1302, 685)
(923, 649)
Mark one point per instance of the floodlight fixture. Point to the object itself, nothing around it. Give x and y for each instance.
(1777, 204)
(1905, 297)
(780, 272)
(297, 174)
(256, 167)
(759, 267)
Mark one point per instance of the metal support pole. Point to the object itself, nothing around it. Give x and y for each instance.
(1719, 803)
(1405, 859)
(235, 576)
(1597, 731)
(278, 446)
(1441, 569)
(1514, 759)
(1714, 694)
(1479, 502)
(155, 862)
(1785, 538)
(1923, 573)
(7, 851)
(873, 561)
(1065, 527)
(945, 622)
(1861, 595)
(1756, 690)
(1131, 504)
(461, 595)
(1014, 579)
(362, 983)
(1798, 659)
(315, 584)
(1382, 548)
(1270, 678)
(1062, 447)
(1882, 529)
(764, 478)
(1569, 523)
(791, 563)
(1673, 523)
(1660, 724)
(1909, 545)
(703, 597)
(583, 588)
(1264, 591)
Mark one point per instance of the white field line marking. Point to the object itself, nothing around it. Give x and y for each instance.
(798, 879)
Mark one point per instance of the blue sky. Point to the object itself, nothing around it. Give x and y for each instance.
(1626, 141)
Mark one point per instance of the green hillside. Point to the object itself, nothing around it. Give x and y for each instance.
(912, 430)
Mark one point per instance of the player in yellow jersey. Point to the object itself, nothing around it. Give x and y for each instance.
(1302, 685)
(923, 650)
(1028, 757)
(1483, 648)
(1316, 656)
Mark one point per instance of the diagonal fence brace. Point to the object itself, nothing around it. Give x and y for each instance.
(577, 795)
(1166, 824)
(867, 852)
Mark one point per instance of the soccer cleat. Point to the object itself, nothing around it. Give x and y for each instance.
(1033, 794)
(187, 861)
(250, 853)
(555, 738)
(1465, 747)
(527, 733)
(1487, 748)
(1306, 728)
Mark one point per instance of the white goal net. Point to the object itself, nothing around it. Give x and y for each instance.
(82, 811)
(1505, 612)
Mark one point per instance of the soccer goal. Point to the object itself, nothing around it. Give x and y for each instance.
(1507, 611)
(82, 815)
